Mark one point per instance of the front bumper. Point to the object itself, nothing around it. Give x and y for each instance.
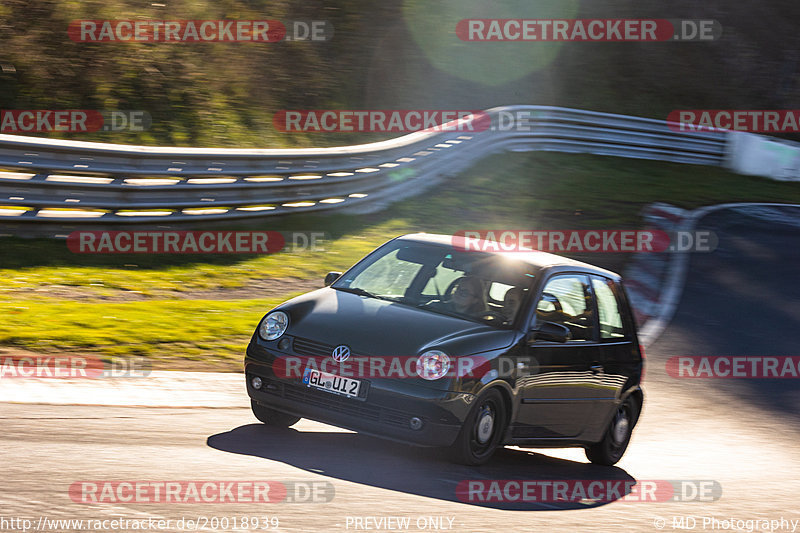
(386, 411)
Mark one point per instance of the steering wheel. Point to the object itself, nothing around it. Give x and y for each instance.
(447, 295)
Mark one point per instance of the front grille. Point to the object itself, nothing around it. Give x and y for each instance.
(311, 348)
(395, 418)
(331, 401)
(349, 406)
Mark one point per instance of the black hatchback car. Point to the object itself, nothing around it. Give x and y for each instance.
(425, 342)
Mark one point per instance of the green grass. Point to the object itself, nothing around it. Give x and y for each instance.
(518, 191)
(28, 264)
(215, 332)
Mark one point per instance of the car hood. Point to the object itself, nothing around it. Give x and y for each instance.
(375, 327)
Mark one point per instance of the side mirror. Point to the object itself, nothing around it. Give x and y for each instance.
(550, 331)
(330, 277)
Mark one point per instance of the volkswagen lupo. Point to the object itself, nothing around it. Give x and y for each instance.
(426, 342)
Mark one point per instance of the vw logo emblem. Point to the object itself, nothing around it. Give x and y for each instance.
(341, 353)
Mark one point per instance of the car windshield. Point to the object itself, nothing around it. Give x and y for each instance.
(489, 288)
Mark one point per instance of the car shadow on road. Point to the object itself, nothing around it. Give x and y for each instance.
(421, 471)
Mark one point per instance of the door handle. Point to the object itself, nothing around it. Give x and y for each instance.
(596, 368)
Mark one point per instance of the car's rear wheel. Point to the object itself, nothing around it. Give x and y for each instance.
(615, 441)
(482, 431)
(271, 416)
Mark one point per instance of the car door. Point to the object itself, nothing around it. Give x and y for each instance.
(618, 351)
(558, 385)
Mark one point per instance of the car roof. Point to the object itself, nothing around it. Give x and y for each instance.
(535, 258)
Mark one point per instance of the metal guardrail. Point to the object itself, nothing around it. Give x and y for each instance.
(73, 183)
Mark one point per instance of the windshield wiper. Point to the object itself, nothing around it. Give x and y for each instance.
(440, 309)
(357, 290)
(362, 292)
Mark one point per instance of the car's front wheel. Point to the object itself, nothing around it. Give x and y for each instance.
(482, 431)
(615, 441)
(271, 416)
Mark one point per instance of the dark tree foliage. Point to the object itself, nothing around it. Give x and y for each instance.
(225, 94)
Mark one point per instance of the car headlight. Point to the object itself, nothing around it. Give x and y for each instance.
(273, 326)
(432, 365)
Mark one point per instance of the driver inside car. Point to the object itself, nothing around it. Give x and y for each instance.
(511, 302)
(468, 296)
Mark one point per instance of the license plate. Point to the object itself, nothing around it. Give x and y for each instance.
(331, 383)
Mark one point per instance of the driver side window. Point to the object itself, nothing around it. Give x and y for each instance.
(566, 300)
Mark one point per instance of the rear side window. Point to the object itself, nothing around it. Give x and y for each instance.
(608, 309)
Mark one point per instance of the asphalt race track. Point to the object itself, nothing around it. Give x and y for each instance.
(742, 299)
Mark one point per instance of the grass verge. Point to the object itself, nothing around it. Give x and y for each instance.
(167, 332)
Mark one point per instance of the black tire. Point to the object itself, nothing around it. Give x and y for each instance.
(483, 430)
(615, 441)
(271, 416)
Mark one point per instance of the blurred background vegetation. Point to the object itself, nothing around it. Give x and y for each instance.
(398, 54)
